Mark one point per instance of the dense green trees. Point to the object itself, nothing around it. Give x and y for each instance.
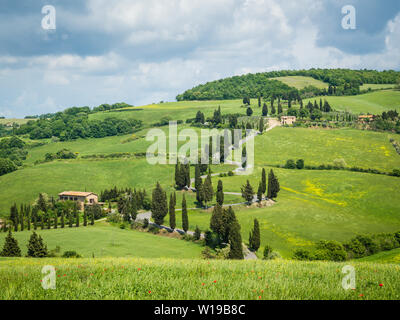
(341, 82)
(10, 248)
(182, 175)
(159, 206)
(235, 242)
(74, 123)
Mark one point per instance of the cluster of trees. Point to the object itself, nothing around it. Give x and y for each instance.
(182, 175)
(388, 121)
(341, 82)
(271, 188)
(74, 123)
(47, 213)
(358, 247)
(12, 153)
(62, 154)
(291, 164)
(36, 247)
(225, 230)
(204, 190)
(140, 197)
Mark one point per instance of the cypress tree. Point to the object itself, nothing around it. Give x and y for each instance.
(185, 219)
(220, 193)
(62, 217)
(254, 237)
(91, 216)
(197, 176)
(77, 218)
(265, 110)
(22, 217)
(28, 217)
(42, 220)
(247, 192)
(35, 217)
(273, 185)
(56, 219)
(85, 214)
(261, 125)
(14, 216)
(259, 192)
(48, 214)
(10, 248)
(200, 195)
(235, 241)
(244, 157)
(208, 189)
(172, 218)
(159, 206)
(228, 218)
(197, 233)
(36, 247)
(216, 221)
(41, 203)
(71, 216)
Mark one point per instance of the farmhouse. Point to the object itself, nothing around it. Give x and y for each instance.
(366, 118)
(80, 197)
(288, 119)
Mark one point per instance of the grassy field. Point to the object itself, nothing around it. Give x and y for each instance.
(367, 86)
(300, 82)
(133, 278)
(103, 240)
(364, 149)
(374, 102)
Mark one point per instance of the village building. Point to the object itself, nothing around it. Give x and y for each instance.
(81, 198)
(366, 118)
(288, 119)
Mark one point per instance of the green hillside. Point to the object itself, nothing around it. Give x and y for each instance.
(156, 279)
(373, 103)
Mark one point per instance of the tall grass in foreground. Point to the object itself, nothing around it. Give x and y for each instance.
(133, 278)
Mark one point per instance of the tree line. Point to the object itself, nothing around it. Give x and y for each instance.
(341, 82)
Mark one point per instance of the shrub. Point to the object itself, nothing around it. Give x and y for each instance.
(208, 254)
(145, 223)
(212, 239)
(330, 250)
(197, 233)
(301, 254)
(153, 229)
(71, 254)
(339, 163)
(267, 251)
(290, 164)
(300, 164)
(230, 173)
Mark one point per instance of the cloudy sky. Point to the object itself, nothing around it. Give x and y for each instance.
(144, 51)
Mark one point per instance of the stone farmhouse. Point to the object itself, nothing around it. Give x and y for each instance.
(81, 198)
(288, 119)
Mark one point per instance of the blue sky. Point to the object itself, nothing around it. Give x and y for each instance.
(106, 51)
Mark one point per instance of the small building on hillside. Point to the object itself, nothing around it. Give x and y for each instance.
(366, 118)
(288, 119)
(81, 198)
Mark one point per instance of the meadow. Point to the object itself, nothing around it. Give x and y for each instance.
(373, 103)
(300, 82)
(365, 149)
(156, 279)
(104, 240)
